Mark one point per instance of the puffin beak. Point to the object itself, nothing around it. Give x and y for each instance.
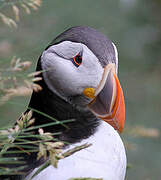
(108, 99)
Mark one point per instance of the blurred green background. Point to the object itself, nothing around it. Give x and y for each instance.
(135, 27)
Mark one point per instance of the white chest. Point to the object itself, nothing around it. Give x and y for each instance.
(105, 159)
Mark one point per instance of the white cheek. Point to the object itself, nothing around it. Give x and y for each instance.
(65, 79)
(59, 74)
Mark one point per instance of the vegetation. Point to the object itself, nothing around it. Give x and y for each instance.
(15, 5)
(134, 26)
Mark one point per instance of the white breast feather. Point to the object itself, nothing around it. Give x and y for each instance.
(105, 159)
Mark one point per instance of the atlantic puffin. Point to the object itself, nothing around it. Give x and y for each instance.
(79, 81)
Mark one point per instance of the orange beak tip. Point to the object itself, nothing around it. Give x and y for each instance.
(117, 117)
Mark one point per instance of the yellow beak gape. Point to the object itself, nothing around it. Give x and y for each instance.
(89, 92)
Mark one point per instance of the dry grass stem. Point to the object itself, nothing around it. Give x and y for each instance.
(8, 21)
(26, 8)
(16, 12)
(47, 145)
(33, 86)
(19, 91)
(17, 65)
(16, 5)
(34, 74)
(12, 83)
(144, 132)
(75, 149)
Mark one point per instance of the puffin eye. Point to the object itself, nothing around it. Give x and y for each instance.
(77, 60)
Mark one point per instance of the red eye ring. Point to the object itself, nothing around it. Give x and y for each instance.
(77, 60)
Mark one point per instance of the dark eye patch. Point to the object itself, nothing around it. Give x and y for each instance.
(77, 60)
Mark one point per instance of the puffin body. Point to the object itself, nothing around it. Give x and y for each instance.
(79, 82)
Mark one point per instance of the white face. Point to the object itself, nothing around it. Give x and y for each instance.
(64, 78)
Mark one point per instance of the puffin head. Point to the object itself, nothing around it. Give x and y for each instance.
(80, 66)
